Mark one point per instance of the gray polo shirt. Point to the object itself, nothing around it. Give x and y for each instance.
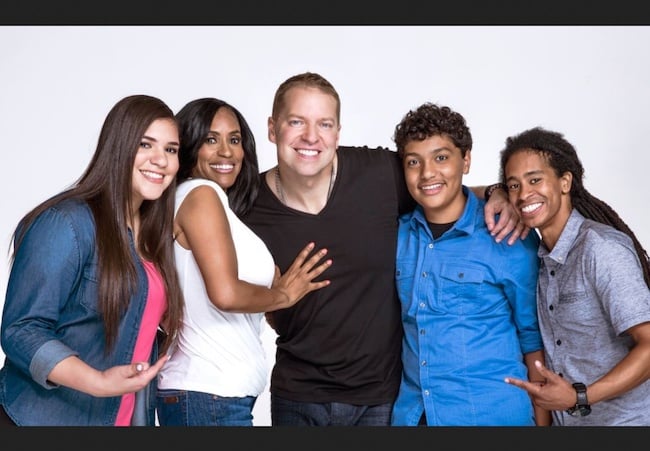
(590, 291)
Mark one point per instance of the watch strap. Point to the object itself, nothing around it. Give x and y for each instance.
(581, 394)
(582, 407)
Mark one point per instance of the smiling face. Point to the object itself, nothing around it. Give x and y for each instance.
(156, 162)
(220, 157)
(434, 169)
(306, 131)
(542, 198)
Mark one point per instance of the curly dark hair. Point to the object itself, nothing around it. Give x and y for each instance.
(562, 157)
(429, 120)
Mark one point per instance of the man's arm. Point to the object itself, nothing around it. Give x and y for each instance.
(497, 203)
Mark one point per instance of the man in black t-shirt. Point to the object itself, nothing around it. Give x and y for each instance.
(338, 349)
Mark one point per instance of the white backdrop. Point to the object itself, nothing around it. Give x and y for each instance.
(591, 83)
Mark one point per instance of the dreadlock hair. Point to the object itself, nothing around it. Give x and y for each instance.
(562, 157)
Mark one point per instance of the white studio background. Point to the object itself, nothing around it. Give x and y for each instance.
(589, 82)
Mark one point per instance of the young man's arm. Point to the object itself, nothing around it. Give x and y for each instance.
(542, 416)
(497, 203)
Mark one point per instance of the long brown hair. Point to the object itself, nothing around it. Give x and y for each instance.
(106, 186)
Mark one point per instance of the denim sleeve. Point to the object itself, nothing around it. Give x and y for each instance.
(44, 274)
(46, 358)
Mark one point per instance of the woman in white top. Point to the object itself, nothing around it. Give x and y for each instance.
(218, 367)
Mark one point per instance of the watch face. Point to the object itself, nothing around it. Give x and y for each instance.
(579, 411)
(582, 407)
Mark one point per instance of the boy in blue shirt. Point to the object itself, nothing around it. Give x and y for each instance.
(468, 302)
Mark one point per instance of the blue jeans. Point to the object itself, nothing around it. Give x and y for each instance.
(285, 412)
(191, 408)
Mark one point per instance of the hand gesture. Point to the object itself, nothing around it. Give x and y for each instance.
(122, 379)
(115, 381)
(298, 280)
(555, 393)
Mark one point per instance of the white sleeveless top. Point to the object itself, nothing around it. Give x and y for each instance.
(218, 352)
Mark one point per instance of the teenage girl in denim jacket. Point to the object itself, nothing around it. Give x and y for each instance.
(92, 279)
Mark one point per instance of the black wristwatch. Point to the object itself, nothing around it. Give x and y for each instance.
(582, 407)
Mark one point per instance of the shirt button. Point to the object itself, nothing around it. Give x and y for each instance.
(424, 363)
(422, 332)
(550, 307)
(558, 342)
(430, 245)
(461, 275)
(422, 305)
(426, 392)
(424, 274)
(553, 272)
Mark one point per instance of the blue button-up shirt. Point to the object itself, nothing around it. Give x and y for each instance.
(469, 316)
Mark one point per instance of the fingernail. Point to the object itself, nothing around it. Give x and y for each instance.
(138, 367)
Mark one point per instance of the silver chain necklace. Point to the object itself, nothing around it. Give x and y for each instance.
(278, 183)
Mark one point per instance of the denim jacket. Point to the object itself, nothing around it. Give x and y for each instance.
(51, 312)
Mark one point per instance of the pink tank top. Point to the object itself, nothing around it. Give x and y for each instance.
(153, 313)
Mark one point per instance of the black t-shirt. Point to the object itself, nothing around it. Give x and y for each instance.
(341, 343)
